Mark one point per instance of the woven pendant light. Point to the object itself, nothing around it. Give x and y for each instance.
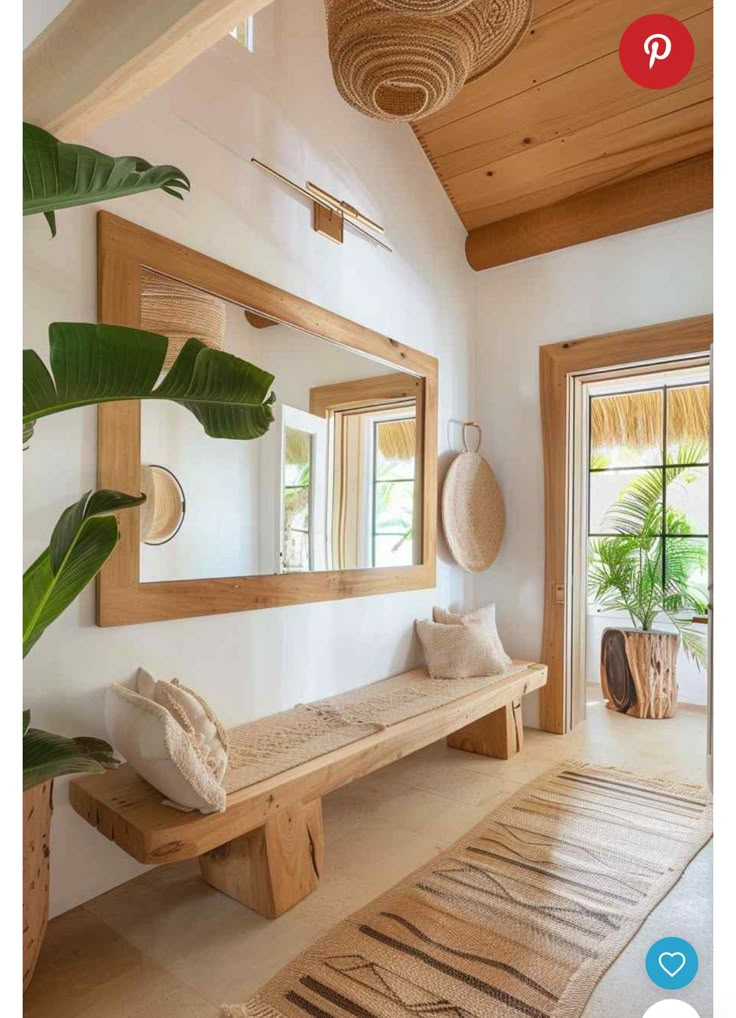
(180, 312)
(405, 59)
(434, 8)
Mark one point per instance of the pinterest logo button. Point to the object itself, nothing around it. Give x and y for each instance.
(656, 51)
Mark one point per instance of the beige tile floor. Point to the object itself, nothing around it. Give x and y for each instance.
(167, 946)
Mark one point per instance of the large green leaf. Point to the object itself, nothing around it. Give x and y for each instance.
(57, 175)
(81, 542)
(102, 363)
(47, 756)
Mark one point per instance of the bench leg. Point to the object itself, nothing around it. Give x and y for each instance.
(500, 734)
(275, 866)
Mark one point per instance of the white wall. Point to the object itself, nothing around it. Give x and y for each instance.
(653, 275)
(279, 104)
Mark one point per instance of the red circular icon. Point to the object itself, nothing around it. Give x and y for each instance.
(656, 51)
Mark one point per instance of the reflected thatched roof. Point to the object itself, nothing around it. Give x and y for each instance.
(635, 420)
(396, 441)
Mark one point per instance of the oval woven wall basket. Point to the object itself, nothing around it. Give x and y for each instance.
(473, 514)
(405, 59)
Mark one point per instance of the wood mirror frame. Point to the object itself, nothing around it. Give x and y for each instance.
(123, 249)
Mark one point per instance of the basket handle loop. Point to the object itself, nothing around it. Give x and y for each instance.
(472, 424)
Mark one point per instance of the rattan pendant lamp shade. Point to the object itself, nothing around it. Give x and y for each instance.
(405, 59)
(180, 312)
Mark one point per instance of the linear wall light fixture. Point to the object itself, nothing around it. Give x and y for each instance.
(330, 214)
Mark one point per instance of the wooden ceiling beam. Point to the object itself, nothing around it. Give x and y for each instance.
(667, 193)
(100, 56)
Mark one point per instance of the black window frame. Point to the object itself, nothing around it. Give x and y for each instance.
(664, 466)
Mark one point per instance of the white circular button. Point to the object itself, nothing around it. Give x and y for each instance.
(671, 1009)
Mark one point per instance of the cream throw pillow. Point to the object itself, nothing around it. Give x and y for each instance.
(194, 715)
(170, 736)
(486, 615)
(458, 652)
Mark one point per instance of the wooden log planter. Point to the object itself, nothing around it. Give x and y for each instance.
(639, 672)
(37, 808)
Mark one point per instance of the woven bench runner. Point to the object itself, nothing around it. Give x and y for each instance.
(519, 919)
(260, 749)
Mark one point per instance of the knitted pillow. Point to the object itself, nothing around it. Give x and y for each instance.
(458, 652)
(194, 715)
(172, 739)
(485, 615)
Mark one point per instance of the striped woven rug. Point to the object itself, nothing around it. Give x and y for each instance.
(522, 916)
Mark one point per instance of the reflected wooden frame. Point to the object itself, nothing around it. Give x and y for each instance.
(557, 362)
(123, 249)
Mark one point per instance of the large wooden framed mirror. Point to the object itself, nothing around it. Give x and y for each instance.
(338, 499)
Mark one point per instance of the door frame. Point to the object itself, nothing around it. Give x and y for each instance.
(557, 362)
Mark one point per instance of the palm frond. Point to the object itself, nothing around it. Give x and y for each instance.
(639, 571)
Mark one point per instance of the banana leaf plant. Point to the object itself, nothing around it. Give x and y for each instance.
(57, 175)
(82, 541)
(92, 364)
(47, 756)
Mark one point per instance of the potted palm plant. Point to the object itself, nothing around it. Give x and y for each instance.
(91, 364)
(629, 572)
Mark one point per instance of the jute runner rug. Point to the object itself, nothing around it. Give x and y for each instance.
(522, 916)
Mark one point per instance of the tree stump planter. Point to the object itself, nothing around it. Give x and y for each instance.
(37, 809)
(639, 672)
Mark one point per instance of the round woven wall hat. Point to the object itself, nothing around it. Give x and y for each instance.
(405, 59)
(162, 514)
(473, 515)
(180, 312)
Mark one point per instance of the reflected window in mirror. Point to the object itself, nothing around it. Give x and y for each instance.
(394, 451)
(297, 501)
(304, 491)
(331, 486)
(372, 475)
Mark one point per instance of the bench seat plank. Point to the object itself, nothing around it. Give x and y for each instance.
(129, 811)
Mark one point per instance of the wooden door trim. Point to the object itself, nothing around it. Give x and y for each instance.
(557, 361)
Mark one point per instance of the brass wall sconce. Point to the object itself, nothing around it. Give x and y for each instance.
(330, 214)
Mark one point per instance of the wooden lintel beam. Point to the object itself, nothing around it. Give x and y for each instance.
(100, 56)
(667, 193)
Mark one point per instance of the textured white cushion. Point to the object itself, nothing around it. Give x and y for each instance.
(486, 615)
(174, 750)
(194, 715)
(458, 651)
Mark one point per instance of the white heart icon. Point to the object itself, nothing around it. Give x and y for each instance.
(668, 962)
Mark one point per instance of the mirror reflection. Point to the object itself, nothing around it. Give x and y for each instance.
(333, 485)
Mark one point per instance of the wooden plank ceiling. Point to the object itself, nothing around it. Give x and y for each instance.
(560, 119)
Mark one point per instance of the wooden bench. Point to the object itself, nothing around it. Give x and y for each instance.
(267, 848)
